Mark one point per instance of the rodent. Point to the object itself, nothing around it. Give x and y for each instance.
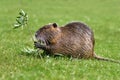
(74, 39)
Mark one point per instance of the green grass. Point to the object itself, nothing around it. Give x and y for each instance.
(103, 16)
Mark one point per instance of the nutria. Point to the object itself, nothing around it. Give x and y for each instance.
(74, 39)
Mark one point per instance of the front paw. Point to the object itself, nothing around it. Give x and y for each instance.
(37, 45)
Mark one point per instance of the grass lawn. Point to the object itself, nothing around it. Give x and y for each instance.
(103, 16)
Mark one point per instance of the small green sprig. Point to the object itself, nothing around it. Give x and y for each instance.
(21, 20)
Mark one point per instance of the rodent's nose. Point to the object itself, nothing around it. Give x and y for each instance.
(35, 34)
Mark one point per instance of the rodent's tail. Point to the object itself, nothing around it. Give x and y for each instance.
(105, 59)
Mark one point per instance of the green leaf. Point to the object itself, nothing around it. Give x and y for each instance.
(21, 20)
(22, 13)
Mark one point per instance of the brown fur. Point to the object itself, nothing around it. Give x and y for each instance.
(74, 39)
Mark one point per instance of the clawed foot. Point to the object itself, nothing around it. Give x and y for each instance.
(37, 45)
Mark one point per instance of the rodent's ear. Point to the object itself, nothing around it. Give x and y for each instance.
(55, 25)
